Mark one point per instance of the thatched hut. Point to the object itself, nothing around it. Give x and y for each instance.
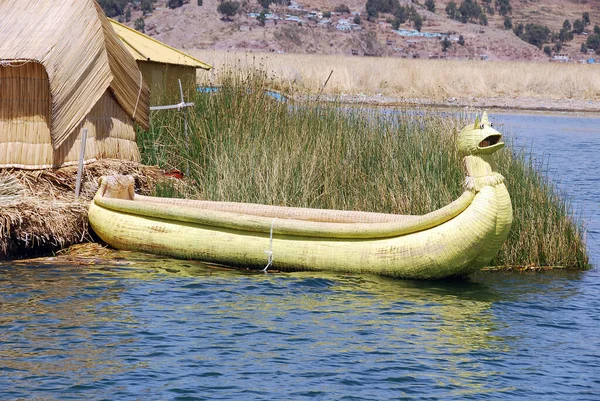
(62, 69)
(162, 66)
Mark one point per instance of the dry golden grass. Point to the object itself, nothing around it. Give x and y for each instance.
(412, 79)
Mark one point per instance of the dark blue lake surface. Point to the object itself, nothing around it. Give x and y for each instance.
(155, 329)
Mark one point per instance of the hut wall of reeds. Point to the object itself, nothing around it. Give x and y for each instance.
(163, 80)
(62, 69)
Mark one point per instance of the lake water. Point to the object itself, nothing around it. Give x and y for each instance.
(155, 329)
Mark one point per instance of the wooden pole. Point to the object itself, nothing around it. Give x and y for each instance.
(185, 127)
(324, 85)
(80, 167)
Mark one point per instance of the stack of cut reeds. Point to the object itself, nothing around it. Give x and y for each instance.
(38, 213)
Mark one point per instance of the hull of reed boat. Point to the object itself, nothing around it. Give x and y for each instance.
(453, 241)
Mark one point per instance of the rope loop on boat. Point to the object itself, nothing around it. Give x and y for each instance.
(269, 251)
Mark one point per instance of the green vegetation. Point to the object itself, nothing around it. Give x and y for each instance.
(503, 6)
(430, 5)
(578, 26)
(139, 25)
(267, 3)
(246, 146)
(446, 44)
(468, 11)
(262, 17)
(342, 8)
(593, 42)
(112, 8)
(401, 13)
(147, 7)
(174, 3)
(535, 34)
(228, 9)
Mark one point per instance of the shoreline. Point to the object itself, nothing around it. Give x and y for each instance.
(590, 108)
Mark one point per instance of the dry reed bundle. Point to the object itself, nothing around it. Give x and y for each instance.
(42, 215)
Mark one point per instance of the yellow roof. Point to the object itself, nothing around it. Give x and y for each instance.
(145, 48)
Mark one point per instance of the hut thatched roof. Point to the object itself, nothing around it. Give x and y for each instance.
(81, 54)
(145, 48)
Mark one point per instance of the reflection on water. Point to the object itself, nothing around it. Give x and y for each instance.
(161, 329)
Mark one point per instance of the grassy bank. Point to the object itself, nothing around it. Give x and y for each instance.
(436, 80)
(245, 146)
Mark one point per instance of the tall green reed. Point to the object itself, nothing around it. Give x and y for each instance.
(245, 146)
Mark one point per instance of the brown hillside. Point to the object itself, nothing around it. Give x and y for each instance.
(201, 27)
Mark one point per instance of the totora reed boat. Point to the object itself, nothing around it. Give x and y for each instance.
(455, 240)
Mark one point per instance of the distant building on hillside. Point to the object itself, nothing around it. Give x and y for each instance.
(343, 25)
(560, 58)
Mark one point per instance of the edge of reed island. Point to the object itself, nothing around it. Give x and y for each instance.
(245, 146)
(38, 213)
(505, 104)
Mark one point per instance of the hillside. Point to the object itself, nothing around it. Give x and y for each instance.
(191, 26)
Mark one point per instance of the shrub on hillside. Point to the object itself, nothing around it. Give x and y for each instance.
(503, 6)
(547, 50)
(418, 21)
(468, 11)
(383, 6)
(228, 9)
(147, 7)
(174, 3)
(140, 25)
(593, 42)
(430, 5)
(446, 44)
(112, 8)
(535, 34)
(342, 8)
(578, 26)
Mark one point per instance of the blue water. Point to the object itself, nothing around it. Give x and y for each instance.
(145, 328)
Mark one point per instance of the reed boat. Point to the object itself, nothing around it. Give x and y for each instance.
(455, 240)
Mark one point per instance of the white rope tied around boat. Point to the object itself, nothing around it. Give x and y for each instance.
(138, 97)
(269, 251)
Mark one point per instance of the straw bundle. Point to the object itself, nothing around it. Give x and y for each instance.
(41, 216)
(81, 57)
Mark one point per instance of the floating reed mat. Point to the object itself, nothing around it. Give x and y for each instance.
(38, 213)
